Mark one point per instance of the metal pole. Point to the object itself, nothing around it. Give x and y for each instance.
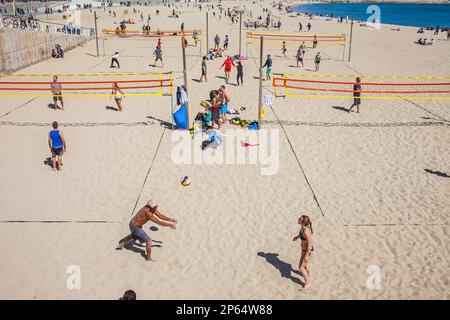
(207, 33)
(260, 80)
(343, 51)
(14, 7)
(185, 81)
(240, 32)
(96, 33)
(350, 45)
(103, 38)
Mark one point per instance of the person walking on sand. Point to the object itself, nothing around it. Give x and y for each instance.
(159, 43)
(317, 60)
(308, 26)
(356, 95)
(118, 95)
(57, 145)
(306, 237)
(300, 56)
(268, 64)
(203, 76)
(115, 59)
(55, 87)
(228, 63)
(149, 212)
(240, 73)
(158, 56)
(284, 49)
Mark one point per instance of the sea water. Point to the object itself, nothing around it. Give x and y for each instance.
(415, 15)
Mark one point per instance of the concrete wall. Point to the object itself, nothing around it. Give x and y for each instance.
(19, 49)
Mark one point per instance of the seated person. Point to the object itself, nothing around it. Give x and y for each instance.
(205, 117)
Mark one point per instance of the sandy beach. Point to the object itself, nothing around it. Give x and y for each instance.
(375, 184)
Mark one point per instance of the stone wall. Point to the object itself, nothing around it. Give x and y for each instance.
(19, 49)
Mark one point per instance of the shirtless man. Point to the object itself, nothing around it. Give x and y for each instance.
(225, 98)
(148, 213)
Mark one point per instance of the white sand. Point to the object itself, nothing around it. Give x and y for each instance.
(234, 236)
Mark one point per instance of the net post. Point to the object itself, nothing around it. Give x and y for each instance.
(161, 78)
(260, 82)
(285, 85)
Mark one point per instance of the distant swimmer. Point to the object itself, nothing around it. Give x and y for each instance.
(57, 145)
(55, 87)
(118, 95)
(306, 237)
(149, 212)
(356, 95)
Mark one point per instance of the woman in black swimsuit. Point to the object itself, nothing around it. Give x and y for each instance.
(306, 238)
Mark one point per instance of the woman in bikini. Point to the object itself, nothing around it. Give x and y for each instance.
(118, 95)
(306, 237)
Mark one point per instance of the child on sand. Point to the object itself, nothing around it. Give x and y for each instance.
(356, 95)
(317, 61)
(57, 145)
(283, 49)
(268, 64)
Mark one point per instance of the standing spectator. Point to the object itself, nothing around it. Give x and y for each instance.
(203, 76)
(240, 73)
(315, 42)
(309, 26)
(300, 26)
(300, 56)
(158, 56)
(216, 42)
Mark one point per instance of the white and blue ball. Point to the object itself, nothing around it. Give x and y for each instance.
(185, 181)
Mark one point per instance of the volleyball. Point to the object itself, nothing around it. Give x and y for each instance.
(185, 181)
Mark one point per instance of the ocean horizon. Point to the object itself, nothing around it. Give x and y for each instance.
(404, 14)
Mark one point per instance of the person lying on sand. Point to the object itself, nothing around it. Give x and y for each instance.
(148, 213)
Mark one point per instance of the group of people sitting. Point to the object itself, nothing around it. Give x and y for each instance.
(425, 42)
(58, 52)
(216, 110)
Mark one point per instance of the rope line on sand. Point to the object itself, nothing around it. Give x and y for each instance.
(299, 163)
(57, 221)
(393, 224)
(148, 172)
(425, 109)
(18, 107)
(284, 122)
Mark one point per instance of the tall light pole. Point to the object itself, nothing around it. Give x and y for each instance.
(350, 45)
(240, 32)
(96, 32)
(183, 47)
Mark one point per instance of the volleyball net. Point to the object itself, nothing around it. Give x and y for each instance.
(87, 85)
(308, 39)
(168, 35)
(325, 86)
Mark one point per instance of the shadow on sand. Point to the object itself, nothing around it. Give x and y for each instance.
(284, 268)
(438, 173)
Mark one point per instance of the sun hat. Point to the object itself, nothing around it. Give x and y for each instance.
(151, 203)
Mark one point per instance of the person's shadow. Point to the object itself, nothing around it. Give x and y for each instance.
(111, 108)
(49, 162)
(138, 246)
(162, 123)
(340, 108)
(284, 268)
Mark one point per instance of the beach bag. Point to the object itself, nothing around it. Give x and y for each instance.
(180, 118)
